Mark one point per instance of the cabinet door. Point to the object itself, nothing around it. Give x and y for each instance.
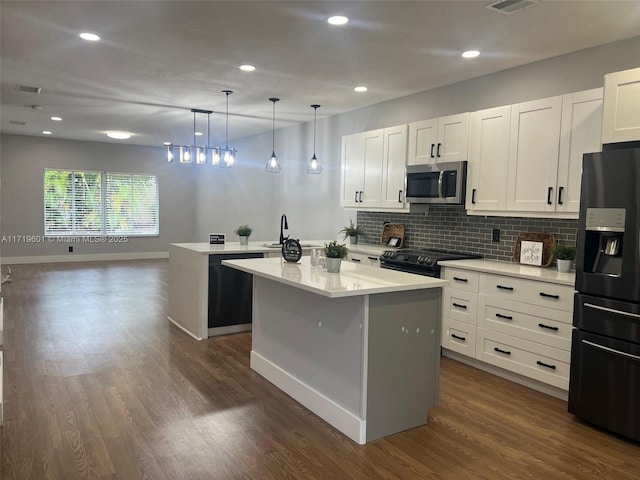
(453, 138)
(579, 134)
(422, 142)
(488, 159)
(352, 169)
(394, 162)
(373, 157)
(621, 115)
(533, 155)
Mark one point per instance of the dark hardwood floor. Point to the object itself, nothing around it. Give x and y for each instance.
(98, 384)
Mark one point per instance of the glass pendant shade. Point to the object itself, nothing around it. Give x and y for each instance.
(185, 154)
(229, 158)
(201, 155)
(228, 154)
(170, 155)
(215, 156)
(313, 167)
(273, 165)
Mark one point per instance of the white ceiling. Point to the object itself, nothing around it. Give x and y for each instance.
(159, 59)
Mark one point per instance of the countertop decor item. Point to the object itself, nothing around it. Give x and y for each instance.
(548, 242)
(565, 255)
(334, 252)
(273, 165)
(352, 231)
(291, 250)
(313, 167)
(395, 230)
(244, 232)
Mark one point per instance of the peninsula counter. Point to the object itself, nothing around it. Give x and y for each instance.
(359, 348)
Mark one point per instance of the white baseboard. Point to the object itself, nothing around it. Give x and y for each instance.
(506, 374)
(90, 257)
(183, 329)
(345, 421)
(242, 327)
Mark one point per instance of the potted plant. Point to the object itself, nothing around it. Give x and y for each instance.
(334, 252)
(564, 254)
(353, 231)
(244, 231)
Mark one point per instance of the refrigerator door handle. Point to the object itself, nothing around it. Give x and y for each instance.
(612, 310)
(611, 350)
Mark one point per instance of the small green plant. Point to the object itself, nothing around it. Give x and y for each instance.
(244, 230)
(335, 250)
(352, 230)
(564, 252)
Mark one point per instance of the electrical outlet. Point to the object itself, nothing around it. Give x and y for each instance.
(70, 248)
(495, 235)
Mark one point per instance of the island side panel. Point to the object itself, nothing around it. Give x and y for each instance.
(403, 360)
(311, 347)
(188, 290)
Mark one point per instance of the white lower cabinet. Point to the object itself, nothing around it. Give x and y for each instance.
(363, 258)
(518, 324)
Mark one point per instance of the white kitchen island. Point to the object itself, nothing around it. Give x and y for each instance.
(359, 348)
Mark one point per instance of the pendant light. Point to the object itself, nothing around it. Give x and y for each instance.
(228, 154)
(313, 167)
(273, 165)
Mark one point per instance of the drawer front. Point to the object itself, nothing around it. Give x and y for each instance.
(462, 279)
(545, 364)
(549, 295)
(363, 259)
(460, 337)
(537, 324)
(460, 305)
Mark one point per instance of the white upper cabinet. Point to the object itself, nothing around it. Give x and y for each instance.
(621, 114)
(373, 169)
(579, 134)
(488, 159)
(362, 169)
(441, 139)
(533, 155)
(394, 162)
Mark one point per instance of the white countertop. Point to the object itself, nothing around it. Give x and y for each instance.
(368, 249)
(353, 279)
(549, 274)
(252, 247)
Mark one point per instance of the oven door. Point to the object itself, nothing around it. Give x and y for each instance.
(415, 270)
(436, 183)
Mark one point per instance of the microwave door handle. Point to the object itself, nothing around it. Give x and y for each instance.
(440, 184)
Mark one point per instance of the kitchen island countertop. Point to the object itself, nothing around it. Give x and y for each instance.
(353, 279)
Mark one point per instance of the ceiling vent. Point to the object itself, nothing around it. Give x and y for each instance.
(511, 6)
(28, 89)
(17, 122)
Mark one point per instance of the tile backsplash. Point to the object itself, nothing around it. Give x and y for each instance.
(450, 228)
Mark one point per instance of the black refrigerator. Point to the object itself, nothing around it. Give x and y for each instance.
(604, 385)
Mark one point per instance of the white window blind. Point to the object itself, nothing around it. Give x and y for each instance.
(72, 203)
(99, 203)
(131, 206)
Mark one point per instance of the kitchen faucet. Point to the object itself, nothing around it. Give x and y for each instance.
(283, 226)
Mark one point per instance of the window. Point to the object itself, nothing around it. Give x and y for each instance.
(100, 203)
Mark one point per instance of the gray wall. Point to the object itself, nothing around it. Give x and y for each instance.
(23, 160)
(198, 200)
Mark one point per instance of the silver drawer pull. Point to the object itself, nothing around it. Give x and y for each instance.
(612, 310)
(611, 350)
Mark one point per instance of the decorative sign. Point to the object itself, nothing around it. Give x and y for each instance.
(291, 250)
(531, 252)
(216, 239)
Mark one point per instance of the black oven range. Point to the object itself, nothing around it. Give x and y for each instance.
(421, 262)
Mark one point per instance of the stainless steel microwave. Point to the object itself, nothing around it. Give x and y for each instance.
(437, 183)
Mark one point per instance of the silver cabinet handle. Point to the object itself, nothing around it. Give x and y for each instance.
(611, 350)
(612, 310)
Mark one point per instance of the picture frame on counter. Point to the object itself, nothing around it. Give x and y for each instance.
(531, 253)
(216, 238)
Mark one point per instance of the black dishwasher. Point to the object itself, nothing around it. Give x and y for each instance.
(230, 291)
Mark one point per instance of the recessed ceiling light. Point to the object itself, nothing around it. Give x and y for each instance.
(167, 144)
(338, 20)
(91, 37)
(470, 54)
(197, 134)
(247, 68)
(46, 132)
(360, 89)
(119, 135)
(56, 119)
